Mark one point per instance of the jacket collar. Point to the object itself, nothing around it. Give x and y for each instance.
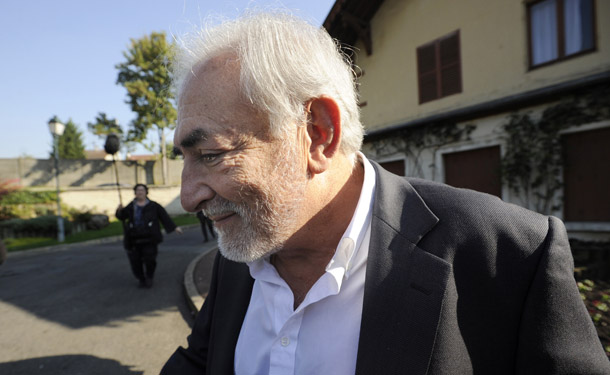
(404, 285)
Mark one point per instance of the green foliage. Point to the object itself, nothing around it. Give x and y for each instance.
(185, 219)
(43, 226)
(115, 228)
(145, 75)
(103, 126)
(29, 197)
(596, 296)
(7, 187)
(70, 143)
(532, 163)
(18, 203)
(79, 216)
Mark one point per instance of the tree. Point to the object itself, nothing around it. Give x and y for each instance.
(145, 75)
(70, 143)
(104, 126)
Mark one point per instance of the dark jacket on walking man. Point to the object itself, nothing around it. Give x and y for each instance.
(141, 222)
(206, 225)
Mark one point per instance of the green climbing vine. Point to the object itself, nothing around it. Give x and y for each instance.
(532, 163)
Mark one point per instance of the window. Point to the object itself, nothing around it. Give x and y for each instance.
(439, 69)
(559, 29)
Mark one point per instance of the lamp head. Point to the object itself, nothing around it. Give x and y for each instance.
(56, 127)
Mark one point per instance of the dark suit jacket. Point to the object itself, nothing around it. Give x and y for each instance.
(457, 282)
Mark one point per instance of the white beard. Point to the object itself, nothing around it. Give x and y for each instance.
(267, 213)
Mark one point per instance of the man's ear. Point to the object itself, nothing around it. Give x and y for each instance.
(324, 131)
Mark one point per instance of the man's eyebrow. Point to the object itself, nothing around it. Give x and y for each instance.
(194, 137)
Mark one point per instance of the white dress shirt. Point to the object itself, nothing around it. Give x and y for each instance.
(321, 335)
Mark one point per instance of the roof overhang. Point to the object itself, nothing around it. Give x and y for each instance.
(350, 20)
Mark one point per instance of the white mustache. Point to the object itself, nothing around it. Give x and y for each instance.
(220, 206)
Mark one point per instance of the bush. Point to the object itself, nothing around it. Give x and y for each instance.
(80, 216)
(596, 295)
(43, 226)
(29, 197)
(17, 203)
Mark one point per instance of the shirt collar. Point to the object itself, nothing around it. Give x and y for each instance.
(354, 234)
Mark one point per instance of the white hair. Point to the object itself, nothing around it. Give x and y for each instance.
(284, 62)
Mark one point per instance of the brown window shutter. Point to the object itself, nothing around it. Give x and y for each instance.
(427, 73)
(450, 69)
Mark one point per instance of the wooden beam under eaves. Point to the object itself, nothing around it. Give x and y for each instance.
(361, 27)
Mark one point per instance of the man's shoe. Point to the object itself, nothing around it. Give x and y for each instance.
(148, 282)
(142, 283)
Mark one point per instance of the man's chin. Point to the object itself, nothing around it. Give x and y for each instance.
(238, 251)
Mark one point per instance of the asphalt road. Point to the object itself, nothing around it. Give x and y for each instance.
(79, 310)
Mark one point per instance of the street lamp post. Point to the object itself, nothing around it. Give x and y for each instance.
(57, 129)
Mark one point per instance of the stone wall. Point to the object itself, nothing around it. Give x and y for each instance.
(90, 185)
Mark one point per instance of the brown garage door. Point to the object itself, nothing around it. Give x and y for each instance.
(396, 167)
(475, 169)
(586, 158)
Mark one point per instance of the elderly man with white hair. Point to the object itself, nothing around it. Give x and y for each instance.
(328, 263)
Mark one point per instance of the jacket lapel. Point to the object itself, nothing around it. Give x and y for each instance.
(404, 285)
(234, 291)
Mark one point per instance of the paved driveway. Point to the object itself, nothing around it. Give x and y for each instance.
(79, 311)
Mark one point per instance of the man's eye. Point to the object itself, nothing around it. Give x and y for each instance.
(208, 158)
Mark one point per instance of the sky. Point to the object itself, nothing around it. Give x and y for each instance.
(58, 58)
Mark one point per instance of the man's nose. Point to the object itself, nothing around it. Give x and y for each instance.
(195, 188)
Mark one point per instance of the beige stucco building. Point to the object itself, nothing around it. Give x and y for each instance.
(440, 81)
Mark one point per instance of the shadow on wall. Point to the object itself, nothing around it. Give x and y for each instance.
(85, 173)
(41, 172)
(72, 172)
(68, 365)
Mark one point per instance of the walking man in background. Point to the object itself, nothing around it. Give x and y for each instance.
(206, 225)
(142, 235)
(328, 263)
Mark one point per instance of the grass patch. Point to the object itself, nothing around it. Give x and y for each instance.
(186, 219)
(115, 228)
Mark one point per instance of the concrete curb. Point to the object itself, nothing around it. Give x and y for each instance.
(193, 297)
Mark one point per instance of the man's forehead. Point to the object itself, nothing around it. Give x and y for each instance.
(219, 72)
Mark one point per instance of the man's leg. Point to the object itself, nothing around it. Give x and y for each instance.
(211, 227)
(204, 231)
(135, 260)
(149, 256)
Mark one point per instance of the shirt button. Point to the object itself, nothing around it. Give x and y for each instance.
(285, 341)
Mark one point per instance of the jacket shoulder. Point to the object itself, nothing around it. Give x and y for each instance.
(469, 217)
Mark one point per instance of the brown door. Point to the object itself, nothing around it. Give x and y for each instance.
(475, 169)
(396, 167)
(586, 175)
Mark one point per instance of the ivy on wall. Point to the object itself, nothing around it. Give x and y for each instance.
(532, 162)
(413, 141)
